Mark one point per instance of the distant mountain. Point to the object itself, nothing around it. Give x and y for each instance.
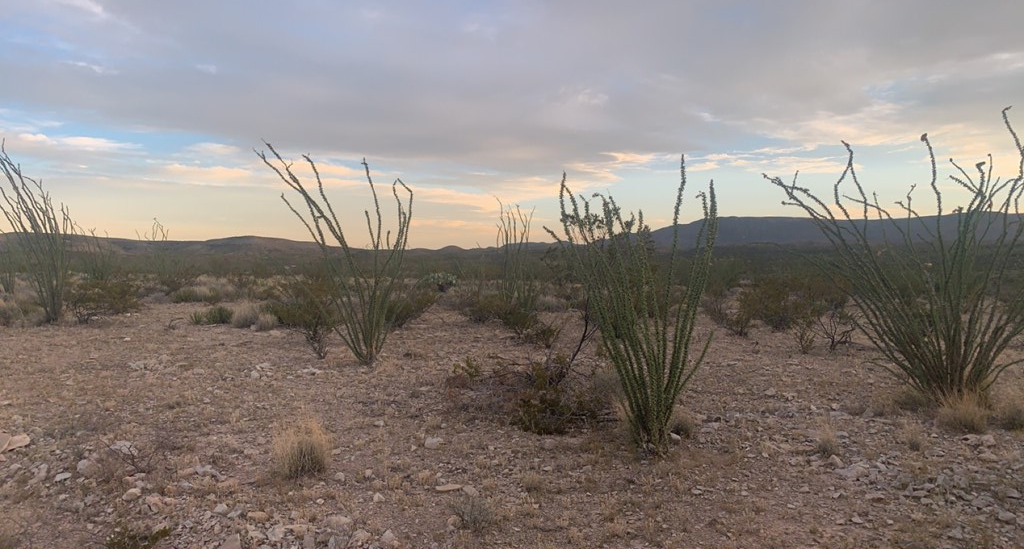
(732, 231)
(801, 231)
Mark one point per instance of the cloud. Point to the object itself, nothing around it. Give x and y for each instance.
(208, 69)
(98, 69)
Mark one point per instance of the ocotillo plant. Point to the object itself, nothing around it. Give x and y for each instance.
(42, 236)
(645, 332)
(364, 290)
(928, 289)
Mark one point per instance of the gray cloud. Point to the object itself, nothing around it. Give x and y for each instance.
(522, 88)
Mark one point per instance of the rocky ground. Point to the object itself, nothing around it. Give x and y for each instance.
(145, 421)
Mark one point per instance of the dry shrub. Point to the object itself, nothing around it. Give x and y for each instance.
(827, 444)
(964, 414)
(302, 449)
(474, 513)
(244, 315)
(265, 322)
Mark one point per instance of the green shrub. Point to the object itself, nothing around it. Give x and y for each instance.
(306, 305)
(363, 289)
(928, 291)
(212, 316)
(125, 537)
(89, 298)
(410, 305)
(645, 332)
(442, 281)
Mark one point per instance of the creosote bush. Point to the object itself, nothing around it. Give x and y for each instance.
(646, 333)
(306, 305)
(365, 289)
(931, 289)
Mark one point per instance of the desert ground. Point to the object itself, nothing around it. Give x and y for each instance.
(145, 421)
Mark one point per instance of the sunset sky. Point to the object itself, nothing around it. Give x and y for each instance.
(130, 110)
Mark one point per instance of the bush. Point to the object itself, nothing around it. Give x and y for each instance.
(90, 298)
(645, 332)
(301, 450)
(125, 537)
(212, 316)
(410, 305)
(306, 305)
(928, 287)
(364, 291)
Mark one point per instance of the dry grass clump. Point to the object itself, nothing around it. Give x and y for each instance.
(964, 414)
(265, 322)
(827, 444)
(912, 435)
(245, 315)
(302, 449)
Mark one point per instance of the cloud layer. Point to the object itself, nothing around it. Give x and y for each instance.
(466, 100)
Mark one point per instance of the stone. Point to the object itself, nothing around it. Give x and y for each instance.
(132, 494)
(61, 477)
(378, 497)
(549, 444)
(276, 533)
(1007, 517)
(359, 538)
(87, 468)
(432, 443)
(448, 487)
(338, 523)
(220, 509)
(389, 538)
(470, 491)
(257, 516)
(233, 542)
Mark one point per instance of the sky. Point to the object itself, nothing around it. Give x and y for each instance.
(130, 110)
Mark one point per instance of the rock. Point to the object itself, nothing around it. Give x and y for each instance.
(836, 462)
(432, 443)
(40, 475)
(132, 494)
(987, 440)
(276, 533)
(220, 509)
(340, 477)
(1007, 517)
(233, 542)
(470, 491)
(87, 468)
(856, 520)
(448, 487)
(61, 477)
(359, 538)
(378, 498)
(257, 516)
(549, 444)
(338, 523)
(389, 538)
(155, 503)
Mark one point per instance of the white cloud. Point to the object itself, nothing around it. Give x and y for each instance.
(98, 69)
(208, 69)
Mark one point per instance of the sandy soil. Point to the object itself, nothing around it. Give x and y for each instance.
(148, 421)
